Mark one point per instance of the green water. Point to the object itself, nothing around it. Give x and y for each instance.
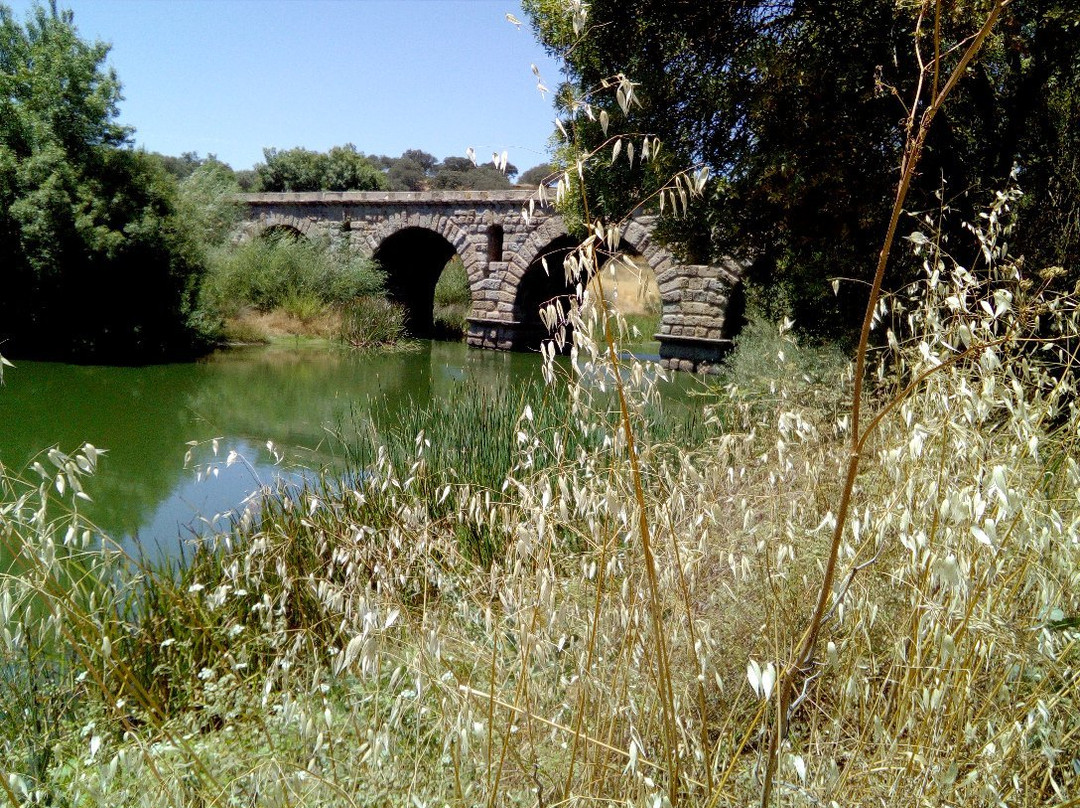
(144, 417)
(297, 398)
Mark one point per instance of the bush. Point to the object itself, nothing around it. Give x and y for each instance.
(293, 273)
(370, 321)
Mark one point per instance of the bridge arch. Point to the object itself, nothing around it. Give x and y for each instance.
(497, 246)
(413, 249)
(277, 231)
(538, 285)
(282, 223)
(521, 283)
(456, 237)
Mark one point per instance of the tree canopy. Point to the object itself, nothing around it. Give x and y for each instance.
(537, 174)
(343, 168)
(797, 106)
(94, 260)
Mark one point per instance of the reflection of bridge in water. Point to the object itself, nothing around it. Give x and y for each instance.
(414, 234)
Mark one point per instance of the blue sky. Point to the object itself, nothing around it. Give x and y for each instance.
(232, 76)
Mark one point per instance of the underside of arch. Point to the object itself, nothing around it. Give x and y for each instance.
(276, 223)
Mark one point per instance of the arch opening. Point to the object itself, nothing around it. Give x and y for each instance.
(630, 287)
(539, 287)
(413, 259)
(495, 242)
(280, 232)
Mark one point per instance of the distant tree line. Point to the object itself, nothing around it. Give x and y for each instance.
(343, 168)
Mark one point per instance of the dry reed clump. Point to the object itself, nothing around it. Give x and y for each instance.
(624, 644)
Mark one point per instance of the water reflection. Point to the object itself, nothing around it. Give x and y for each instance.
(145, 417)
(296, 398)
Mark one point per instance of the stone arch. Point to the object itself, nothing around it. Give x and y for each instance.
(636, 239)
(551, 229)
(414, 253)
(638, 234)
(535, 287)
(276, 231)
(282, 222)
(444, 226)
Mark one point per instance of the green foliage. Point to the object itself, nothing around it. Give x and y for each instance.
(207, 203)
(185, 165)
(798, 110)
(537, 175)
(453, 300)
(372, 322)
(410, 172)
(460, 173)
(87, 226)
(417, 170)
(452, 287)
(343, 168)
(283, 272)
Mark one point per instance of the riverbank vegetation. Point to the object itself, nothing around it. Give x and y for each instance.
(86, 223)
(287, 281)
(453, 301)
(452, 626)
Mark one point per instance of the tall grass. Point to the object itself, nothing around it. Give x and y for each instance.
(602, 614)
(372, 322)
(473, 627)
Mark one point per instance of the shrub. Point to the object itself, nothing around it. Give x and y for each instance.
(271, 273)
(453, 301)
(369, 322)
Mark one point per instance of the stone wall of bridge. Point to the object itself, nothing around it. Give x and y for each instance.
(498, 247)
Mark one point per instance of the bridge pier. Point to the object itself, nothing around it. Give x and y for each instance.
(703, 308)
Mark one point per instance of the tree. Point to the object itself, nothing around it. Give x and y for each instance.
(796, 107)
(537, 174)
(410, 172)
(343, 168)
(290, 170)
(87, 225)
(349, 170)
(207, 202)
(183, 166)
(460, 173)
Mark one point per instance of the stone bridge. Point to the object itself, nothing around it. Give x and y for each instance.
(414, 234)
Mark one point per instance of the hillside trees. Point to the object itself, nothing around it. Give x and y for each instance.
(537, 174)
(460, 173)
(94, 260)
(343, 168)
(796, 106)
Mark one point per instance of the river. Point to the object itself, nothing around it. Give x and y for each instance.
(147, 418)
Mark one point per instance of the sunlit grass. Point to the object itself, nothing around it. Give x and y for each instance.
(467, 617)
